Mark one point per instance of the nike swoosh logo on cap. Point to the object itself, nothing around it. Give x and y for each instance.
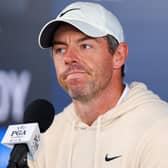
(108, 158)
(62, 14)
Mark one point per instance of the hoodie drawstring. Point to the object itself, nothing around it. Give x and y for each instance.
(71, 145)
(97, 146)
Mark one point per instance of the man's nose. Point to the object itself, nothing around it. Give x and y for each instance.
(72, 56)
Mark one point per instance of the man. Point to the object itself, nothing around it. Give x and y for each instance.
(109, 123)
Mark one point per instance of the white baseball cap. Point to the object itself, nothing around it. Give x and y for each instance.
(90, 18)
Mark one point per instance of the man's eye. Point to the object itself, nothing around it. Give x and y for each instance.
(86, 46)
(59, 50)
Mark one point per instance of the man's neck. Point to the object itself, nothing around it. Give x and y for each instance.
(89, 111)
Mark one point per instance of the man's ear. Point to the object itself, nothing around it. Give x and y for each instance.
(120, 55)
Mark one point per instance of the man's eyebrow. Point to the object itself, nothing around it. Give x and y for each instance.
(86, 38)
(56, 42)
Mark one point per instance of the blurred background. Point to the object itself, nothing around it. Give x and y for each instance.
(27, 72)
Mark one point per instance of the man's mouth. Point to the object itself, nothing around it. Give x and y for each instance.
(75, 71)
(75, 75)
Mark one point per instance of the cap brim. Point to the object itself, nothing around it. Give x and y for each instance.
(47, 32)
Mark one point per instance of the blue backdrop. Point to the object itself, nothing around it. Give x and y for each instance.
(27, 72)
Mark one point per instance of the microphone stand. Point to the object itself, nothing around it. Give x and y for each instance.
(15, 160)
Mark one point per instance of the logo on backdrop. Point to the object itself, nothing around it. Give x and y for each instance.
(13, 91)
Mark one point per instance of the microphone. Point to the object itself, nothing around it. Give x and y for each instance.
(25, 138)
(40, 111)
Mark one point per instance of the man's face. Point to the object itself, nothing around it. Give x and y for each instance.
(84, 65)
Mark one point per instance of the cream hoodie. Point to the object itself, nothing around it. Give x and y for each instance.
(131, 135)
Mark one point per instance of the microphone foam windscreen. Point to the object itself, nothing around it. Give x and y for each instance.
(40, 111)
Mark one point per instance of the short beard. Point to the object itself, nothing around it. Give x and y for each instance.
(84, 95)
(88, 93)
